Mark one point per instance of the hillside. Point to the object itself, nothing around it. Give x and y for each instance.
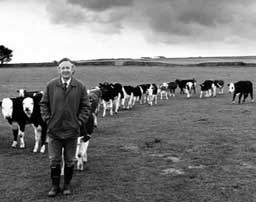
(157, 61)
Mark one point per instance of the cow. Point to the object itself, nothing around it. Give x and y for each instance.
(163, 90)
(111, 95)
(86, 131)
(83, 140)
(241, 88)
(220, 85)
(95, 96)
(208, 88)
(183, 83)
(152, 94)
(128, 94)
(144, 88)
(31, 107)
(137, 94)
(13, 112)
(172, 87)
(188, 89)
(24, 93)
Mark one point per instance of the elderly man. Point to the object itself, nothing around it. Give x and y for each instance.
(65, 107)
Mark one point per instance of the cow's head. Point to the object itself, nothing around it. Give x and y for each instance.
(231, 87)
(203, 87)
(7, 108)
(105, 87)
(28, 106)
(21, 92)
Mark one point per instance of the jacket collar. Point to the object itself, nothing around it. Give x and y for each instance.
(73, 82)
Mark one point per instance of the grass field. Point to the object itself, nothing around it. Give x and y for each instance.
(180, 150)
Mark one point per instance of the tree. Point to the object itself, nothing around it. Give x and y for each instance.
(5, 54)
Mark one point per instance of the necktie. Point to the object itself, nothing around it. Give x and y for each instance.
(65, 86)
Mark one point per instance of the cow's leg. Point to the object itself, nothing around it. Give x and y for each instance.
(111, 107)
(187, 92)
(22, 135)
(15, 132)
(117, 105)
(239, 98)
(130, 101)
(145, 98)
(155, 97)
(251, 95)
(234, 97)
(201, 94)
(245, 96)
(43, 137)
(150, 100)
(214, 90)
(37, 130)
(82, 154)
(104, 108)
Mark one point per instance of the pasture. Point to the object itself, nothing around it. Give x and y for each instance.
(180, 150)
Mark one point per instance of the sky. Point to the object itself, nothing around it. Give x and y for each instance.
(48, 30)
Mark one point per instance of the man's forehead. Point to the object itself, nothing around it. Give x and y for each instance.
(66, 64)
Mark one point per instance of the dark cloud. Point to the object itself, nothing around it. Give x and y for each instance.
(100, 5)
(162, 20)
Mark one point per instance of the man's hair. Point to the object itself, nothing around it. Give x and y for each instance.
(66, 59)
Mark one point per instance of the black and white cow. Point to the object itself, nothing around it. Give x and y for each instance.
(144, 88)
(220, 85)
(152, 94)
(95, 96)
(31, 107)
(241, 88)
(86, 131)
(183, 84)
(208, 88)
(111, 96)
(163, 90)
(127, 100)
(172, 87)
(13, 112)
(83, 141)
(188, 89)
(137, 94)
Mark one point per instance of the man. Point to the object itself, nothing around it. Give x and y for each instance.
(65, 108)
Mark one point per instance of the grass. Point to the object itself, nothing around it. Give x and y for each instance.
(178, 150)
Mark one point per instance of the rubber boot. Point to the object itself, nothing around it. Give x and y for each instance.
(55, 176)
(68, 173)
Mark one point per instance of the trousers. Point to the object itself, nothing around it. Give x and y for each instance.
(55, 147)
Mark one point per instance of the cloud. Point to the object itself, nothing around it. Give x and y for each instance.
(101, 5)
(165, 21)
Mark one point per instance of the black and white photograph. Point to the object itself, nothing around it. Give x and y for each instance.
(127, 101)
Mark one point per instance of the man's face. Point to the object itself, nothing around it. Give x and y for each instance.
(66, 69)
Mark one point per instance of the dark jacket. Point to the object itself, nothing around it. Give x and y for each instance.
(65, 111)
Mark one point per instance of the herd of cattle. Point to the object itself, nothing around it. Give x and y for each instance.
(25, 107)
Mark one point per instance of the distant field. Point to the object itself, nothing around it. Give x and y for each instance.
(180, 150)
(196, 60)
